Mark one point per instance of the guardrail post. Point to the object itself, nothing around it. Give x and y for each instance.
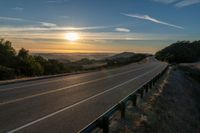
(122, 107)
(141, 92)
(153, 82)
(146, 88)
(104, 124)
(134, 99)
(150, 85)
(157, 78)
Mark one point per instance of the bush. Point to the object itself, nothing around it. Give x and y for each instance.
(7, 54)
(6, 73)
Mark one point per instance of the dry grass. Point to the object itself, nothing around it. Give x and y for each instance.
(172, 107)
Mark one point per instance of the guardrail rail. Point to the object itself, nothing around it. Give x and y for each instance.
(103, 121)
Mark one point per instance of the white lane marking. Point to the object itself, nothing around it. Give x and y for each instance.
(40, 83)
(87, 99)
(64, 88)
(45, 82)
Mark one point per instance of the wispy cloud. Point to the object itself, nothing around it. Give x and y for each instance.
(42, 24)
(146, 17)
(11, 19)
(122, 30)
(20, 9)
(46, 24)
(49, 29)
(165, 1)
(179, 3)
(185, 3)
(56, 1)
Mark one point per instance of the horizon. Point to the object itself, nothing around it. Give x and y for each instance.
(75, 26)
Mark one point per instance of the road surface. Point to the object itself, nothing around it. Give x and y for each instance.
(69, 103)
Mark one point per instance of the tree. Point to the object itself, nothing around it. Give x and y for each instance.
(180, 52)
(23, 53)
(6, 73)
(28, 66)
(7, 54)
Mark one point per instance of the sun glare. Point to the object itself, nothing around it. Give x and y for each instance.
(72, 36)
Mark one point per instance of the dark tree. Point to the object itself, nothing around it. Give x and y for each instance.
(7, 54)
(180, 52)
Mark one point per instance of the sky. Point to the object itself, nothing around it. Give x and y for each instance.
(107, 26)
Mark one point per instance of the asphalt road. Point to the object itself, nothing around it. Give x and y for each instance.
(69, 103)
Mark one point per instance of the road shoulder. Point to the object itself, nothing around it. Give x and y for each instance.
(172, 107)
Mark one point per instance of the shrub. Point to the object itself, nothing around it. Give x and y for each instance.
(6, 73)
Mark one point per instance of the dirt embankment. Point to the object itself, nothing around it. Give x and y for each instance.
(173, 107)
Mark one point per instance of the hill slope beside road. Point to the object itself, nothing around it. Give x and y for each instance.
(173, 108)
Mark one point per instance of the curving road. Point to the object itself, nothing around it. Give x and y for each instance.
(69, 103)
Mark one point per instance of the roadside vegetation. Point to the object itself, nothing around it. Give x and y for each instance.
(180, 52)
(20, 64)
(192, 72)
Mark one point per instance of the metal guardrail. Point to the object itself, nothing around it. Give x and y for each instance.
(102, 122)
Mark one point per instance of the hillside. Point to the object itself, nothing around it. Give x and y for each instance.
(74, 56)
(180, 52)
(121, 55)
(125, 58)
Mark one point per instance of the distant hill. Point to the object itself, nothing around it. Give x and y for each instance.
(74, 56)
(125, 58)
(121, 55)
(180, 52)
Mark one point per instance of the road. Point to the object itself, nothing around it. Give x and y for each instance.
(69, 103)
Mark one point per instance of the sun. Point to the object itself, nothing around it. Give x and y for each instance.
(72, 36)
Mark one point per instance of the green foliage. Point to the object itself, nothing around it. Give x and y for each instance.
(23, 53)
(7, 53)
(24, 64)
(6, 73)
(180, 52)
(30, 67)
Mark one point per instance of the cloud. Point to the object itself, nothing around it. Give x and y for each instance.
(122, 30)
(46, 24)
(146, 17)
(49, 29)
(43, 24)
(179, 3)
(165, 1)
(185, 3)
(56, 1)
(11, 19)
(20, 9)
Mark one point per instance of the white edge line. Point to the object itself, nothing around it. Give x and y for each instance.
(116, 104)
(87, 99)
